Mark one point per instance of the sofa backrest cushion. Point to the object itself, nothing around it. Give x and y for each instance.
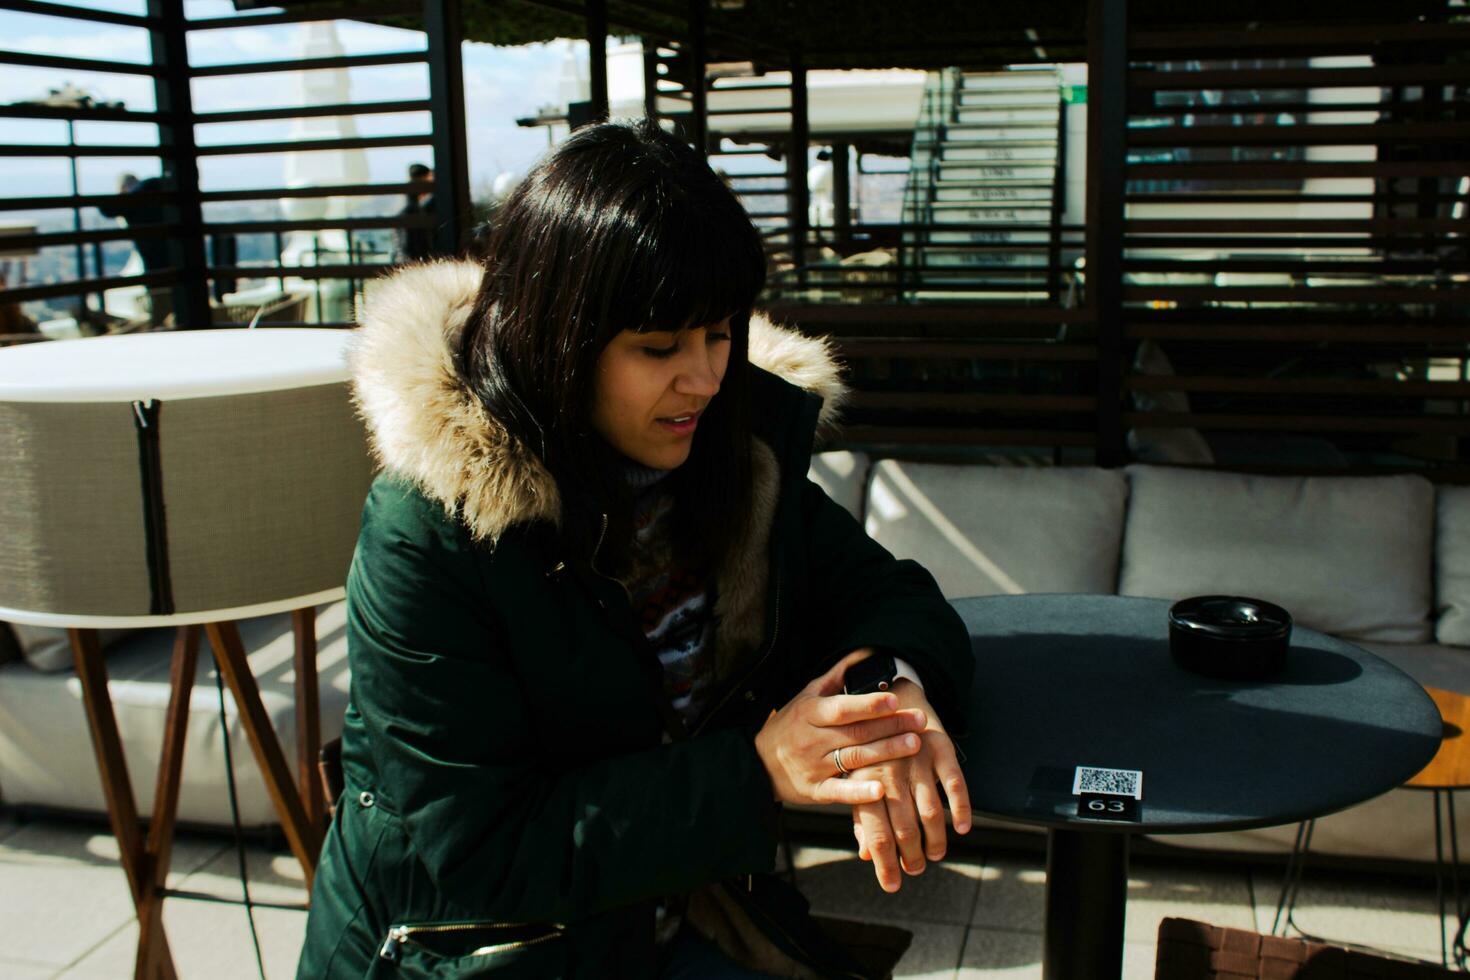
(1345, 555)
(1452, 566)
(48, 648)
(844, 476)
(987, 530)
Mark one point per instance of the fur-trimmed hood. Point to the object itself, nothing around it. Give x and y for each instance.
(427, 427)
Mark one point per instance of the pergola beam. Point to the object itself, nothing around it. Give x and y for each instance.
(173, 95)
(444, 26)
(796, 165)
(698, 55)
(1107, 131)
(597, 57)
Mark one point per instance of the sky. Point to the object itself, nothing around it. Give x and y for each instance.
(501, 84)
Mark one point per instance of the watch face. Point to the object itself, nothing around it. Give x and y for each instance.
(871, 675)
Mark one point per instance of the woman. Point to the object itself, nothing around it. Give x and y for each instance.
(598, 617)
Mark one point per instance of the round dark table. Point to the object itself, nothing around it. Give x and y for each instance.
(1063, 681)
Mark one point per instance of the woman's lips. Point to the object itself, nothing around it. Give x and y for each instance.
(680, 428)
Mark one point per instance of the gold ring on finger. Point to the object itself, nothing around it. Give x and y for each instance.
(837, 761)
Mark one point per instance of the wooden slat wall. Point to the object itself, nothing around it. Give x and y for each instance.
(1299, 258)
(959, 380)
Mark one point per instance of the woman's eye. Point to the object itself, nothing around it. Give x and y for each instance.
(718, 337)
(661, 351)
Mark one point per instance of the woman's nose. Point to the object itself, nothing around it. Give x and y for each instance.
(699, 375)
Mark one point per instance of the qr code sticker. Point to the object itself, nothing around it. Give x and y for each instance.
(1112, 782)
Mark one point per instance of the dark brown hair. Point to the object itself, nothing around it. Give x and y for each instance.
(621, 227)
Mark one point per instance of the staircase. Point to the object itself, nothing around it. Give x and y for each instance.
(751, 119)
(984, 199)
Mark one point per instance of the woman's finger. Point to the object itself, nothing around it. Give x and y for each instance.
(931, 817)
(857, 832)
(831, 681)
(878, 839)
(849, 709)
(952, 779)
(881, 750)
(902, 817)
(859, 732)
(850, 792)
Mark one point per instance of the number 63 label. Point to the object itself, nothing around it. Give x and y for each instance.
(1099, 806)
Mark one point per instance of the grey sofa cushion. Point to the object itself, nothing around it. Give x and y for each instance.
(1452, 566)
(1346, 555)
(843, 476)
(48, 648)
(46, 754)
(984, 530)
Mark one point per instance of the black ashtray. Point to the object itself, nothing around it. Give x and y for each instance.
(1229, 636)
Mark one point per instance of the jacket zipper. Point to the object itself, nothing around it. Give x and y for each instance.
(597, 549)
(400, 936)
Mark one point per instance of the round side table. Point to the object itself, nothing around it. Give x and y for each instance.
(1446, 773)
(1071, 682)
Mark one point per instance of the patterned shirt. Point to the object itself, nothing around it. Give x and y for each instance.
(675, 607)
(674, 604)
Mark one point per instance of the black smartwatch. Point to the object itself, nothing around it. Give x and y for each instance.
(876, 673)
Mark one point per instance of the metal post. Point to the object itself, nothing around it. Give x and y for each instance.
(1086, 896)
(444, 26)
(650, 78)
(698, 133)
(316, 259)
(1107, 121)
(796, 168)
(841, 193)
(597, 57)
(352, 259)
(1058, 204)
(172, 95)
(76, 218)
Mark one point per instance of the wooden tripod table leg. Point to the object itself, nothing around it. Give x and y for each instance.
(122, 809)
(166, 796)
(308, 719)
(301, 834)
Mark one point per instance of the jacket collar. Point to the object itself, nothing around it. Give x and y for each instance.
(424, 425)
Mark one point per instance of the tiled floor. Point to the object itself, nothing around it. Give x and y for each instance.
(65, 904)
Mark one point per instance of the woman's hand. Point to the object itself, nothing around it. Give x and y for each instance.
(906, 828)
(797, 743)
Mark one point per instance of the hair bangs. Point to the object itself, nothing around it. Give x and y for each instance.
(688, 269)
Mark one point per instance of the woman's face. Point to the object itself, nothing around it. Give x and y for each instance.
(651, 388)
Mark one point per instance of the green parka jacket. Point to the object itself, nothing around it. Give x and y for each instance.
(511, 808)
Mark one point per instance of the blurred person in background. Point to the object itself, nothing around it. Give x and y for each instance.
(417, 244)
